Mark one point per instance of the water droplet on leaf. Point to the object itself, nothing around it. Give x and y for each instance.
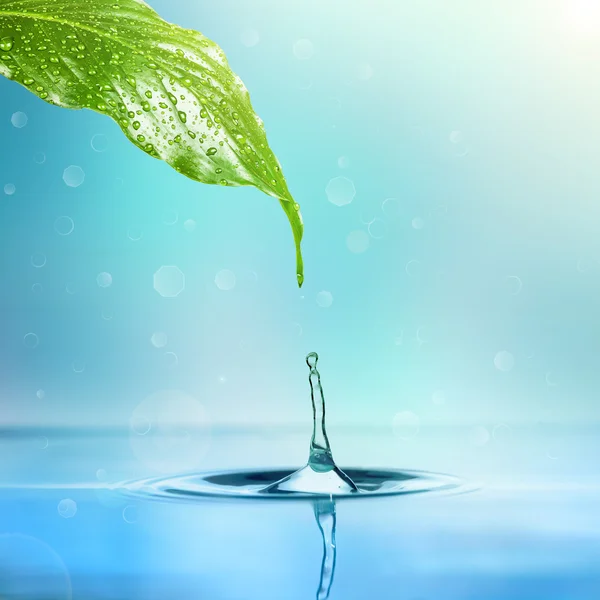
(6, 44)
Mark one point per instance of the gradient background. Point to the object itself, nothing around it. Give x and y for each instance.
(479, 119)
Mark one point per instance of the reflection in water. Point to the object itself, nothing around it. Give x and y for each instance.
(326, 520)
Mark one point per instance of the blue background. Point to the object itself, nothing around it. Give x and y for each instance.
(480, 121)
(521, 202)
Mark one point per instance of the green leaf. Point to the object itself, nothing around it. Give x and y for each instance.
(170, 89)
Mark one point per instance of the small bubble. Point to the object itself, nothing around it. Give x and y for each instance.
(456, 137)
(297, 329)
(303, 49)
(251, 276)
(422, 336)
(377, 229)
(460, 150)
(38, 260)
(78, 366)
(513, 285)
(479, 436)
(504, 361)
(406, 425)
(101, 475)
(189, 225)
(107, 315)
(367, 216)
(42, 442)
(391, 207)
(502, 433)
(39, 158)
(438, 397)
(37, 288)
(250, 37)
(140, 425)
(71, 288)
(134, 234)
(64, 225)
(67, 508)
(31, 340)
(170, 217)
(19, 120)
(413, 268)
(73, 176)
(418, 223)
(225, 280)
(343, 162)
(10, 189)
(169, 281)
(364, 71)
(99, 143)
(222, 379)
(584, 264)
(171, 360)
(180, 433)
(130, 514)
(357, 241)
(324, 299)
(159, 339)
(340, 191)
(104, 280)
(41, 394)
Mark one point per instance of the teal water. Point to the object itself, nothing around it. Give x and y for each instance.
(320, 482)
(444, 155)
(532, 535)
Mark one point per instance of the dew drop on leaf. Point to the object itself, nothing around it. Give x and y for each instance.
(189, 103)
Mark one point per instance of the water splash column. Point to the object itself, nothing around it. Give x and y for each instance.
(320, 457)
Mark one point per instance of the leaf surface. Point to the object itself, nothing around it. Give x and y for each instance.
(170, 89)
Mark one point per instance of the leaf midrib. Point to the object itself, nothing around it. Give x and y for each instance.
(38, 17)
(79, 25)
